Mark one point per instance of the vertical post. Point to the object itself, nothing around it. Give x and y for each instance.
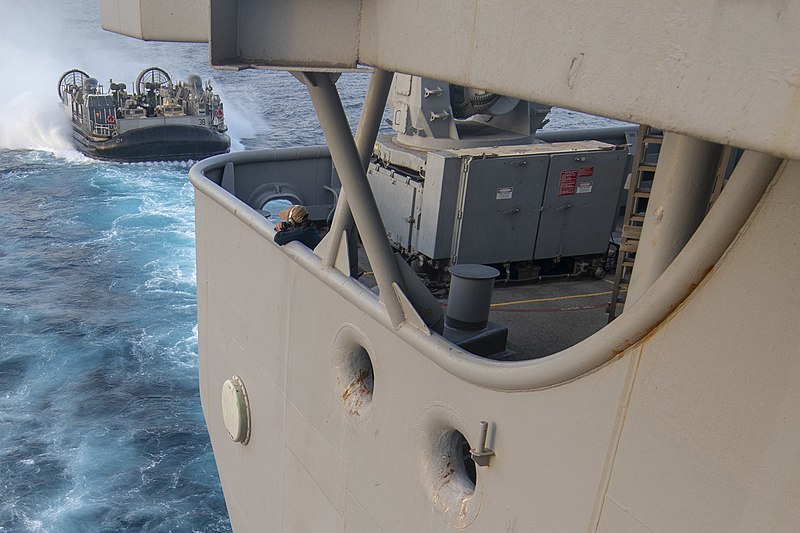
(362, 203)
(677, 205)
(481, 448)
(367, 132)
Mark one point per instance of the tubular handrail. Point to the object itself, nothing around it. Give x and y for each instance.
(738, 200)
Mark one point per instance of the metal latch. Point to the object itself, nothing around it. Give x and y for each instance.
(433, 92)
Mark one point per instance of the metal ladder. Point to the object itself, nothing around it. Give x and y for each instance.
(642, 173)
(643, 170)
(727, 161)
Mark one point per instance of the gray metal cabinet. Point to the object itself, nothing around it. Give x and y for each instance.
(397, 197)
(579, 203)
(500, 204)
(498, 214)
(438, 206)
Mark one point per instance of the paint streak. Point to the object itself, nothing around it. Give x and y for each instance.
(574, 68)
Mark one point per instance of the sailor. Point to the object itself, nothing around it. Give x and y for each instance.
(296, 226)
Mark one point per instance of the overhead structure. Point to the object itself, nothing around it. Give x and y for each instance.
(693, 57)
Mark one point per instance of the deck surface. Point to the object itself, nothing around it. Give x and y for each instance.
(545, 316)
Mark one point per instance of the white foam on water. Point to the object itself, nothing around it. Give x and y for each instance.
(42, 39)
(33, 48)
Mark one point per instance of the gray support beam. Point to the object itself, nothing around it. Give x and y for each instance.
(367, 132)
(345, 156)
(678, 203)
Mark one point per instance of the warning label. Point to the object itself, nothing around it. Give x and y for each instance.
(584, 187)
(505, 193)
(585, 172)
(569, 179)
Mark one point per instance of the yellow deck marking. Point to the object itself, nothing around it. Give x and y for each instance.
(571, 297)
(501, 304)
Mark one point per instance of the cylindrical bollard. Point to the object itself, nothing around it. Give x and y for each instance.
(470, 296)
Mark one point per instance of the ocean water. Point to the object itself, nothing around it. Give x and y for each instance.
(101, 428)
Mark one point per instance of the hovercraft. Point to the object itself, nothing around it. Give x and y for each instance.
(160, 121)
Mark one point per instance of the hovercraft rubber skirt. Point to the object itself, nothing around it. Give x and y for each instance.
(156, 143)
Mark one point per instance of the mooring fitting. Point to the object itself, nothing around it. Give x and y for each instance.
(481, 454)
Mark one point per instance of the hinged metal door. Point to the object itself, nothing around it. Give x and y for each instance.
(498, 211)
(396, 196)
(580, 203)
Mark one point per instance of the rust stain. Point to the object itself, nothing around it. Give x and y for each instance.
(356, 393)
(448, 473)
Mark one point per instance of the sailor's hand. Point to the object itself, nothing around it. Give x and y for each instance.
(279, 226)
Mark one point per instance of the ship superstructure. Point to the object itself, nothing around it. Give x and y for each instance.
(334, 408)
(158, 121)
